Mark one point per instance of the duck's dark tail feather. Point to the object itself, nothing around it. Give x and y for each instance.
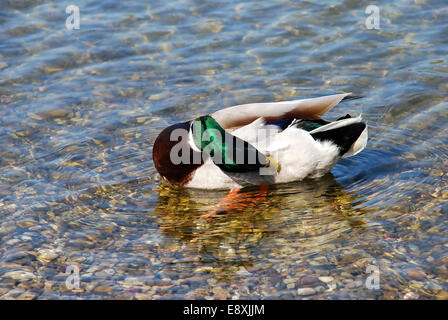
(350, 138)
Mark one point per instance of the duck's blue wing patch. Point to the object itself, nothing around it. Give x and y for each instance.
(282, 124)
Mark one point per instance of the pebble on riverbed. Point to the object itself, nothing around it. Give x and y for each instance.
(306, 291)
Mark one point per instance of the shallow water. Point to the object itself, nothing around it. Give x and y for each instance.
(81, 109)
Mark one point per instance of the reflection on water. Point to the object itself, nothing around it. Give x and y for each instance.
(227, 223)
(80, 110)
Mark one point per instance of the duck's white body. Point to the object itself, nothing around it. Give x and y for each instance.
(296, 152)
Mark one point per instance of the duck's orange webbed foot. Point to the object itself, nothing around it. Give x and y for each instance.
(235, 201)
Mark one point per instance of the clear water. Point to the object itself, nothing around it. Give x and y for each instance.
(80, 110)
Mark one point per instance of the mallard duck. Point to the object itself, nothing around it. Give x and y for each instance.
(258, 144)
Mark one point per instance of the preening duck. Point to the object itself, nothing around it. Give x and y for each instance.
(258, 144)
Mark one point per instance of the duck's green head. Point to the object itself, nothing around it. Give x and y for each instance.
(205, 130)
(227, 151)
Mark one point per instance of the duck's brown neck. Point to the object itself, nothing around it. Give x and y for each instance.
(161, 154)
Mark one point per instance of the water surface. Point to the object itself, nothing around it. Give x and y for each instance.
(80, 110)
